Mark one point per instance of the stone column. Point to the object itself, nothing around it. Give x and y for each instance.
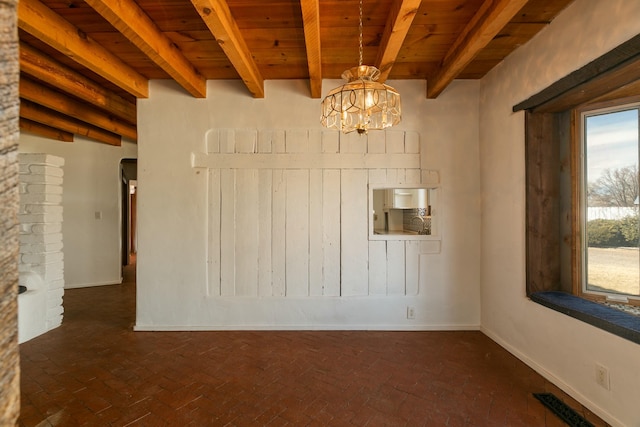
(9, 134)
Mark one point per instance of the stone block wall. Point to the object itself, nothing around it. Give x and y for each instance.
(40, 217)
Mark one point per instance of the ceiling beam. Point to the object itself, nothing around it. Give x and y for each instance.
(45, 131)
(311, 21)
(36, 113)
(44, 68)
(492, 16)
(57, 101)
(398, 24)
(217, 16)
(128, 18)
(41, 22)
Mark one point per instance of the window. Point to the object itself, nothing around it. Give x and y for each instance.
(609, 202)
(561, 185)
(403, 213)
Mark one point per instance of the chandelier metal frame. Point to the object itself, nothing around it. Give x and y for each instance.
(362, 104)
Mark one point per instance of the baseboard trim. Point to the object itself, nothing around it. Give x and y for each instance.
(90, 285)
(606, 416)
(418, 328)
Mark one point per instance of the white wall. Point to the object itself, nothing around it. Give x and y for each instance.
(563, 349)
(173, 215)
(91, 184)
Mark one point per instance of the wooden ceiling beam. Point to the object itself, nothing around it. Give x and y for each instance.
(42, 67)
(128, 18)
(57, 101)
(34, 112)
(38, 20)
(311, 21)
(492, 16)
(398, 24)
(217, 16)
(45, 131)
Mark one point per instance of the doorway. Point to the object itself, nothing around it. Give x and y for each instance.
(129, 175)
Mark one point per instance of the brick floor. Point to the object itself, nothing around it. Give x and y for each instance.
(95, 371)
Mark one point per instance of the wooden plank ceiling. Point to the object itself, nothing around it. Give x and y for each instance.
(84, 63)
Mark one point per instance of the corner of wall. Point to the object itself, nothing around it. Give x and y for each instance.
(41, 265)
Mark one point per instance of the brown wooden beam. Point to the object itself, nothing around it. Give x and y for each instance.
(46, 69)
(311, 21)
(614, 75)
(398, 24)
(542, 157)
(38, 20)
(217, 16)
(45, 131)
(128, 18)
(57, 101)
(36, 113)
(492, 16)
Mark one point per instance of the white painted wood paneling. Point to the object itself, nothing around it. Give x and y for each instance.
(377, 267)
(331, 220)
(213, 232)
(412, 142)
(392, 176)
(316, 247)
(330, 142)
(305, 160)
(264, 215)
(278, 141)
(354, 235)
(377, 176)
(353, 142)
(265, 141)
(395, 267)
(394, 142)
(288, 213)
(278, 245)
(297, 232)
(246, 232)
(227, 232)
(245, 141)
(412, 176)
(297, 141)
(226, 140)
(412, 267)
(401, 177)
(376, 142)
(213, 141)
(315, 141)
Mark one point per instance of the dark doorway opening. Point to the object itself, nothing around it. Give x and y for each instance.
(129, 174)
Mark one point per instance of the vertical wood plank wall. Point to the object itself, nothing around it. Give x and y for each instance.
(278, 230)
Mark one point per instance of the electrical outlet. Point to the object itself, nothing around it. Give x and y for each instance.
(411, 312)
(602, 376)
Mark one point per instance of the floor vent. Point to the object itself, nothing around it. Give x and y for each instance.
(558, 407)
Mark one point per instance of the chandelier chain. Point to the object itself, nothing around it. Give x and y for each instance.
(362, 104)
(360, 29)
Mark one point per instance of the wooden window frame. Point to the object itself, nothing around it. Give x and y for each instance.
(577, 190)
(553, 231)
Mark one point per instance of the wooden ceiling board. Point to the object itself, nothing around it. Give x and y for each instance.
(273, 31)
(441, 12)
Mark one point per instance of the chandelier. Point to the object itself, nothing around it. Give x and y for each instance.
(362, 103)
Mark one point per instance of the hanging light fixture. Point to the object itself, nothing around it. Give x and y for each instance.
(362, 103)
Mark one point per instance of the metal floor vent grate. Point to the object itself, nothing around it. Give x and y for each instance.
(558, 407)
